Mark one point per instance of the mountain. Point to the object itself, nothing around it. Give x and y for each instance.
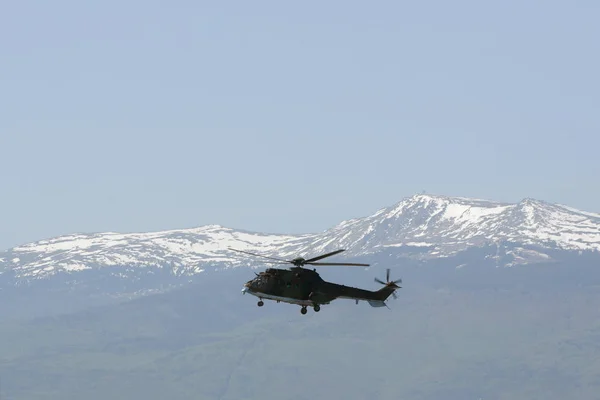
(478, 331)
(418, 228)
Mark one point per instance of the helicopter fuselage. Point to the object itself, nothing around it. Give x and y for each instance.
(305, 287)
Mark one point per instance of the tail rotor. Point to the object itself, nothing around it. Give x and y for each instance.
(390, 284)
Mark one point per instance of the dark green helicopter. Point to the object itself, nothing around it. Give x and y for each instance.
(304, 287)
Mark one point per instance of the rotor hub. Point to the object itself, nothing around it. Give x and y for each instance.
(299, 261)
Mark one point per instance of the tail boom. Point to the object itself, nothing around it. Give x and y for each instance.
(374, 298)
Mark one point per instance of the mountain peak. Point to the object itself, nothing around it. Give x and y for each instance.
(535, 202)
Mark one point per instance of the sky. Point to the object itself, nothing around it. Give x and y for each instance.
(288, 117)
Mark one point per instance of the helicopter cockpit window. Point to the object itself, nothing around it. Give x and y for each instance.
(260, 280)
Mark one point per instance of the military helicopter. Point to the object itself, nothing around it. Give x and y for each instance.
(304, 287)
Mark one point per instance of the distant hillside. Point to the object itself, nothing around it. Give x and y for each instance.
(509, 336)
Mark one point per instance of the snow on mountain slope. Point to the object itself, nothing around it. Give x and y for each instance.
(441, 225)
(185, 250)
(451, 224)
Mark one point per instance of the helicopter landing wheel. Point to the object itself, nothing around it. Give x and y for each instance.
(317, 308)
(260, 303)
(303, 310)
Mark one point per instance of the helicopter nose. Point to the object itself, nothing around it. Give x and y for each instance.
(245, 289)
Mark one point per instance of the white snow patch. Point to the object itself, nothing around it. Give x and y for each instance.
(75, 267)
(575, 210)
(454, 211)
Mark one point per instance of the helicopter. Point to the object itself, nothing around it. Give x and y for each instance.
(305, 287)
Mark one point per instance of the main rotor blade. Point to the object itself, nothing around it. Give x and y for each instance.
(324, 255)
(259, 255)
(326, 263)
(275, 262)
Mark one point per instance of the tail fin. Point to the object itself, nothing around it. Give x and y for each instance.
(388, 290)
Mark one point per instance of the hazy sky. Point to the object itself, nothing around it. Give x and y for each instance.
(288, 116)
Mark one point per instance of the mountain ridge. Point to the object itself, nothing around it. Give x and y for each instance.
(434, 226)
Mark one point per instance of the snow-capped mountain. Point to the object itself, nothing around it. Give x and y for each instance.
(422, 226)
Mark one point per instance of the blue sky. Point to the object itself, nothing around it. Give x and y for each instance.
(288, 116)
